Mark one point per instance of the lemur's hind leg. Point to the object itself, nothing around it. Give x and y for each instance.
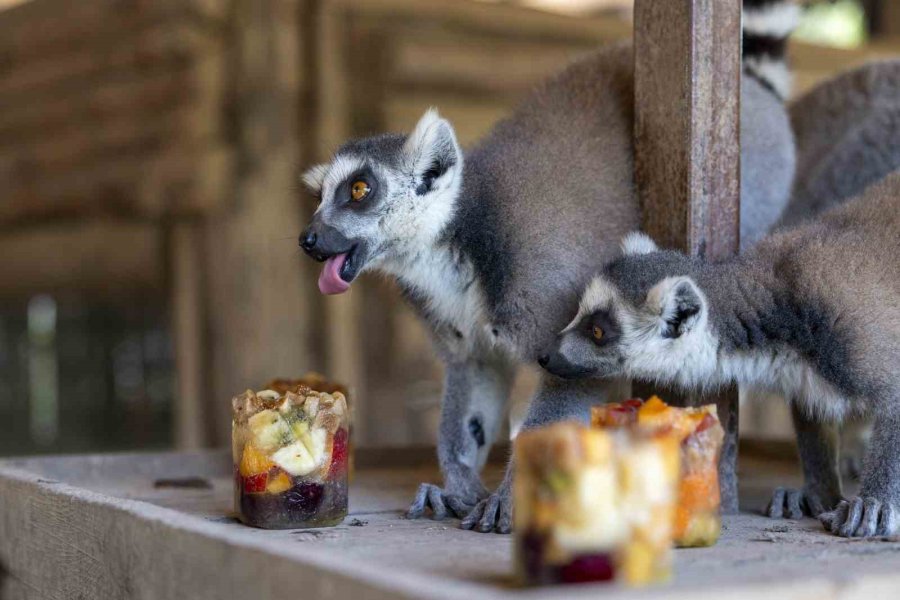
(473, 406)
(876, 510)
(817, 444)
(556, 400)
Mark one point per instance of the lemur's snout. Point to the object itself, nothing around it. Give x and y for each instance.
(308, 240)
(544, 360)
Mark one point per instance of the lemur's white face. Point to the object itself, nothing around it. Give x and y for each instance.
(663, 337)
(381, 198)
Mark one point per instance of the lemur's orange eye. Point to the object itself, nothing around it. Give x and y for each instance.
(597, 332)
(359, 190)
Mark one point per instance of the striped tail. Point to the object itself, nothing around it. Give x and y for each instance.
(767, 26)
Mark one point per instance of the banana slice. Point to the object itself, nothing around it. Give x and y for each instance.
(269, 430)
(295, 459)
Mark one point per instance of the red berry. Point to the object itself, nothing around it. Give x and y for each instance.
(707, 422)
(595, 567)
(633, 403)
(338, 453)
(255, 484)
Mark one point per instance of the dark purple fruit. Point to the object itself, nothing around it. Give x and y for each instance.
(531, 553)
(304, 498)
(595, 567)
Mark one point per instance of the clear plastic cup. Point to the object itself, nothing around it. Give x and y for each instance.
(290, 447)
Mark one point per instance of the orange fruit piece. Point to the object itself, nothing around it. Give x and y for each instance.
(279, 483)
(254, 461)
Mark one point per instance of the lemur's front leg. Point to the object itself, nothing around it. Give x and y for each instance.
(876, 510)
(817, 444)
(474, 402)
(556, 400)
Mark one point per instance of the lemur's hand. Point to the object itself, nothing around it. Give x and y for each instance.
(494, 513)
(862, 516)
(789, 503)
(461, 492)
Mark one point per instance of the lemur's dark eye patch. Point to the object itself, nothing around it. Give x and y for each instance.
(601, 328)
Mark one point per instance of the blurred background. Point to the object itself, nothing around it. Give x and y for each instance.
(150, 200)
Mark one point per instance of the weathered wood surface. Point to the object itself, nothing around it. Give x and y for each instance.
(96, 527)
(687, 146)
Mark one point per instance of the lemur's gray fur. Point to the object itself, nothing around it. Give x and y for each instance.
(847, 131)
(812, 312)
(492, 248)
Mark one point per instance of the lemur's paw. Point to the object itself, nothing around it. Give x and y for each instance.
(494, 513)
(861, 516)
(440, 503)
(788, 503)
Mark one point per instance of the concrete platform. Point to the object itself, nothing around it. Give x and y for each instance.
(96, 527)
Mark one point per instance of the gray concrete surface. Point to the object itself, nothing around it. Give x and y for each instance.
(96, 527)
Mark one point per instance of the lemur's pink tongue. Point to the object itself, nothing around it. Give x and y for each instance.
(330, 281)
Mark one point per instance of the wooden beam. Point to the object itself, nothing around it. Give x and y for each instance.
(687, 147)
(107, 260)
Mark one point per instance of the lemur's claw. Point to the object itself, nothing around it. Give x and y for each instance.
(439, 502)
(494, 513)
(861, 516)
(788, 503)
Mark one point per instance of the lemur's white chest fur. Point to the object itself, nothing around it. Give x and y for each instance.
(451, 293)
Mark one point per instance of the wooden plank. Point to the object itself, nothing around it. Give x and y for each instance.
(490, 19)
(39, 28)
(145, 184)
(111, 91)
(157, 47)
(187, 304)
(110, 261)
(687, 147)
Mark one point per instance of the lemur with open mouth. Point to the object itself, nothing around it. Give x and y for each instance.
(812, 312)
(492, 246)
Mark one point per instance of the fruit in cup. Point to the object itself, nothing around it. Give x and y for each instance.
(290, 452)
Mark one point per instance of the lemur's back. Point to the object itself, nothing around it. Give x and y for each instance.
(557, 189)
(554, 183)
(848, 263)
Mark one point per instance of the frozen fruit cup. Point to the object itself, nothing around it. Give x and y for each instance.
(697, 517)
(593, 505)
(290, 448)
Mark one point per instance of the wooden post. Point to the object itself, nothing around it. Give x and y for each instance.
(687, 146)
(189, 333)
(261, 287)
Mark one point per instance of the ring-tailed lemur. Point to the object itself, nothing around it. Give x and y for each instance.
(491, 247)
(812, 312)
(847, 131)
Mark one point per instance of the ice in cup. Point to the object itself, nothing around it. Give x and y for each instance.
(290, 450)
(594, 505)
(697, 514)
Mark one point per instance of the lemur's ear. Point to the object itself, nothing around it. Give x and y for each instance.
(638, 243)
(679, 303)
(431, 150)
(315, 177)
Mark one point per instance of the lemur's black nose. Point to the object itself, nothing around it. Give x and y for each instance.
(544, 360)
(308, 240)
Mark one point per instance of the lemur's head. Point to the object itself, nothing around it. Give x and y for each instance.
(643, 316)
(381, 198)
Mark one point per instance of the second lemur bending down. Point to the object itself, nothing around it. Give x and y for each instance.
(812, 312)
